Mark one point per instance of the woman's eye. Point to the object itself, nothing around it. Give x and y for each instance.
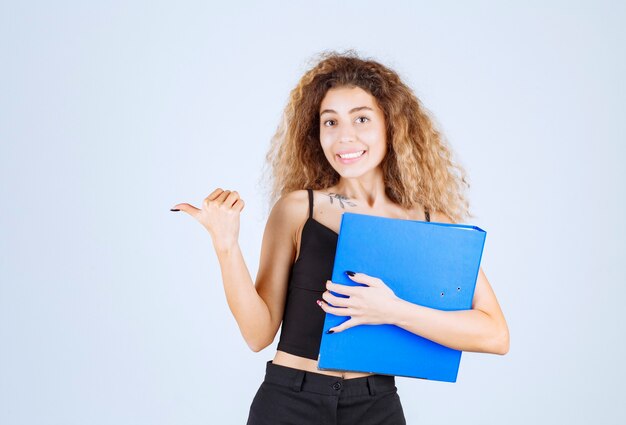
(332, 122)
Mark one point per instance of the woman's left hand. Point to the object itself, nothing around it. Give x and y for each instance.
(366, 305)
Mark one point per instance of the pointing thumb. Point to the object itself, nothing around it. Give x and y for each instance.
(189, 209)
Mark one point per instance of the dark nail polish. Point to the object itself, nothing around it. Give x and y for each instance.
(349, 273)
(330, 331)
(174, 209)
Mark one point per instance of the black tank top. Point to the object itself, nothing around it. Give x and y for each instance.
(303, 319)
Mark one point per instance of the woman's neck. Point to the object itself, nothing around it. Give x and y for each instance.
(369, 192)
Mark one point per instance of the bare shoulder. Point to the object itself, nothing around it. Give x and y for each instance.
(290, 211)
(441, 217)
(292, 206)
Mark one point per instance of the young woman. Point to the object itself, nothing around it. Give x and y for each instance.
(353, 138)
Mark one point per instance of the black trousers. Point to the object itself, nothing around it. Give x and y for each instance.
(296, 397)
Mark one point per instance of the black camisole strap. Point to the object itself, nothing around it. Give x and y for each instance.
(310, 202)
(427, 215)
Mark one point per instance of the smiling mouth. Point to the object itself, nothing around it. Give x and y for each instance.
(351, 155)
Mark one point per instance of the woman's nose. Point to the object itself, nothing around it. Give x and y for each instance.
(346, 133)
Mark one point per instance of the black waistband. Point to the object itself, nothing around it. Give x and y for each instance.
(300, 380)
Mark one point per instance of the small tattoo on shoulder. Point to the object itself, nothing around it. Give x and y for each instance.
(342, 199)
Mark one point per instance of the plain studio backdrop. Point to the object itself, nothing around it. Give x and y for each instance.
(112, 309)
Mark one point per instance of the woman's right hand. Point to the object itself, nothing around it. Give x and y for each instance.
(219, 215)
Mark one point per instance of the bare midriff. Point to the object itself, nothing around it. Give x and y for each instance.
(297, 362)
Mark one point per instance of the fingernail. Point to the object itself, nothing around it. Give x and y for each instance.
(329, 331)
(174, 209)
(319, 302)
(349, 273)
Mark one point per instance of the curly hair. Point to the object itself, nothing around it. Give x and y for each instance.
(418, 167)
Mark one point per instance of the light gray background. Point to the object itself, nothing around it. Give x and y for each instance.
(111, 306)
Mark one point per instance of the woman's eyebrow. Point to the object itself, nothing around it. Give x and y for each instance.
(359, 108)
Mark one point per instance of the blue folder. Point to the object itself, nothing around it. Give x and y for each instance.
(427, 263)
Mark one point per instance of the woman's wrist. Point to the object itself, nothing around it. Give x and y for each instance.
(225, 249)
(397, 314)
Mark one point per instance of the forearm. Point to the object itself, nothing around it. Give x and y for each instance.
(248, 308)
(466, 330)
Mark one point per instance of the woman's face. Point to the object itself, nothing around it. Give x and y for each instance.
(352, 124)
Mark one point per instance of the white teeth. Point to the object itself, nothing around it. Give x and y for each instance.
(352, 155)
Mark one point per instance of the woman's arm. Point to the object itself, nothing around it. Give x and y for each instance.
(481, 329)
(257, 308)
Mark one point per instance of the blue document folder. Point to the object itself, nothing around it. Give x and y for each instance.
(427, 263)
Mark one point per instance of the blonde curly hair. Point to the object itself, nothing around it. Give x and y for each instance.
(418, 167)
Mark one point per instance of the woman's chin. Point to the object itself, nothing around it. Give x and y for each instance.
(353, 173)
